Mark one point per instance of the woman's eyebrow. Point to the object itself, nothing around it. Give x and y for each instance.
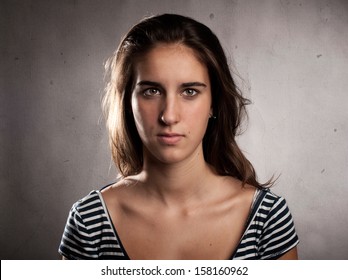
(183, 85)
(193, 84)
(149, 83)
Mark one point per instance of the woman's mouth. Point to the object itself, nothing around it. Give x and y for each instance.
(169, 138)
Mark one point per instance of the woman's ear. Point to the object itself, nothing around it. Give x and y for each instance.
(211, 114)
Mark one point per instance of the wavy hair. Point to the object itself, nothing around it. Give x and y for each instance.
(219, 144)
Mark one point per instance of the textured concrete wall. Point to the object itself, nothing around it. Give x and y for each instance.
(292, 57)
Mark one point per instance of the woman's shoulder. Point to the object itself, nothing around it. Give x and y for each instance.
(270, 205)
(95, 198)
(269, 197)
(120, 195)
(235, 189)
(90, 199)
(118, 189)
(260, 200)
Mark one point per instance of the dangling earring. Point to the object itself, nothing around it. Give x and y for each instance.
(211, 116)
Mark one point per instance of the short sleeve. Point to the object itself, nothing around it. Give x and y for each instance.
(76, 242)
(278, 234)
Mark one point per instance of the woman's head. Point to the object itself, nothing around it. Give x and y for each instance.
(228, 105)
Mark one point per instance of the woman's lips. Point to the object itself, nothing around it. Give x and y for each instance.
(169, 138)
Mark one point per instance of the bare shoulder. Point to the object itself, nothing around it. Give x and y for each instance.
(118, 191)
(237, 190)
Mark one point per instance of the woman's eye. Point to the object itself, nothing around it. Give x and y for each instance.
(151, 92)
(190, 92)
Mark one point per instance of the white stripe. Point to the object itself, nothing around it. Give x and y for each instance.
(274, 232)
(99, 232)
(95, 217)
(104, 239)
(75, 228)
(280, 244)
(111, 246)
(82, 202)
(272, 195)
(241, 250)
(279, 212)
(94, 241)
(91, 210)
(73, 241)
(78, 238)
(252, 231)
(271, 227)
(92, 226)
(77, 251)
(264, 216)
(243, 257)
(96, 225)
(120, 254)
(246, 240)
(268, 200)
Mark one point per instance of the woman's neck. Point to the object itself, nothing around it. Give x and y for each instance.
(178, 183)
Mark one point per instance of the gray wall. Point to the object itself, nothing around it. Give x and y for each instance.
(292, 57)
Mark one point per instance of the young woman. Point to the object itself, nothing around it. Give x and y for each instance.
(186, 191)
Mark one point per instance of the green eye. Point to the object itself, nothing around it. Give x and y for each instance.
(190, 92)
(151, 92)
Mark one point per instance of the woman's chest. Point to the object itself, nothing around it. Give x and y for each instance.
(213, 236)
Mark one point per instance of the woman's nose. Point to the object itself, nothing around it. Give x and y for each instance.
(170, 113)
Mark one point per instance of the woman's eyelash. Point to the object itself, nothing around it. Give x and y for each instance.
(190, 92)
(151, 92)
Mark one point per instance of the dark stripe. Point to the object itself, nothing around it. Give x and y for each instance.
(73, 227)
(79, 248)
(66, 252)
(78, 242)
(90, 199)
(277, 225)
(94, 217)
(94, 205)
(247, 252)
(279, 251)
(271, 243)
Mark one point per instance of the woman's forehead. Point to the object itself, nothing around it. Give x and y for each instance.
(171, 62)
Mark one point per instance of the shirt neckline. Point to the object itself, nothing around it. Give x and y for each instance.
(112, 225)
(253, 209)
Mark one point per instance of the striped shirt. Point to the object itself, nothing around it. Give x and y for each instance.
(90, 234)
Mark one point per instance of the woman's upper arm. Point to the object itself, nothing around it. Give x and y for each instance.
(290, 255)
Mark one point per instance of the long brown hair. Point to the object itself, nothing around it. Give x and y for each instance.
(219, 143)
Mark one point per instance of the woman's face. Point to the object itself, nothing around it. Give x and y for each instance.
(171, 103)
